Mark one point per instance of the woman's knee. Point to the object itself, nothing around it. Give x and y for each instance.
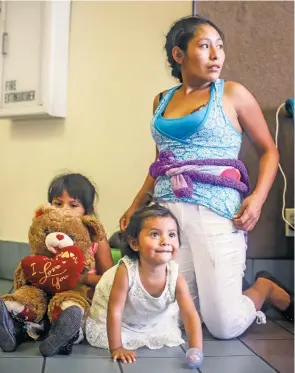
(225, 326)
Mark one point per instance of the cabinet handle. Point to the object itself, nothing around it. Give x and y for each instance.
(4, 43)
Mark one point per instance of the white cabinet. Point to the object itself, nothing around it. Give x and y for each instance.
(34, 58)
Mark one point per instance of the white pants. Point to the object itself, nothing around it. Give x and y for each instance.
(213, 256)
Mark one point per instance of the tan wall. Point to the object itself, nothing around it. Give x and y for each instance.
(259, 50)
(117, 66)
(259, 46)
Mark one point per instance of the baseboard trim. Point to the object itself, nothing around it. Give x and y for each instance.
(10, 255)
(12, 252)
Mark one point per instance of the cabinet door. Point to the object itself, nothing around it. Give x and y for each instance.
(21, 54)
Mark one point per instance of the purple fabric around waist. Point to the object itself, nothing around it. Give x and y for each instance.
(184, 173)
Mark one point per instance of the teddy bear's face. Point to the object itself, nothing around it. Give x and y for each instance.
(53, 229)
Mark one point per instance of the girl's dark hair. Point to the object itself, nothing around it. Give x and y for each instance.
(179, 35)
(77, 186)
(136, 223)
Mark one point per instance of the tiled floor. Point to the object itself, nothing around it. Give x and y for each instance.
(262, 349)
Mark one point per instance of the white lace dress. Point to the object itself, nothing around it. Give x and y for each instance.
(147, 321)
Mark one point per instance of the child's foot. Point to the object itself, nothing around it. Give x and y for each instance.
(11, 332)
(63, 333)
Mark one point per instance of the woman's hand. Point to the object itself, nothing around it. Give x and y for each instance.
(124, 221)
(252, 121)
(249, 213)
(126, 356)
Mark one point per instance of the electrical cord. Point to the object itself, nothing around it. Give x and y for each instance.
(280, 167)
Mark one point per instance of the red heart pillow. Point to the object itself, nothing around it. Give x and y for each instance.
(231, 173)
(57, 274)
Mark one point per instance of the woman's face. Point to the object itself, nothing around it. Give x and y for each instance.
(205, 56)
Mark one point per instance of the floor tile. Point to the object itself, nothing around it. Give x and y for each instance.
(279, 355)
(172, 352)
(273, 342)
(25, 350)
(235, 364)
(272, 314)
(269, 330)
(5, 286)
(207, 336)
(16, 365)
(87, 351)
(154, 365)
(66, 364)
(224, 348)
(286, 325)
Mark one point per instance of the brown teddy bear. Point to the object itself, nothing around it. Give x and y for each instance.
(47, 283)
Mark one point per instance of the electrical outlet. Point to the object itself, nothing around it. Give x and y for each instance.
(289, 216)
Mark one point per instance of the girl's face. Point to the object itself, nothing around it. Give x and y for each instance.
(158, 240)
(66, 202)
(204, 57)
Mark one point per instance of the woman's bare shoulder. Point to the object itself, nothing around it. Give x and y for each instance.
(238, 94)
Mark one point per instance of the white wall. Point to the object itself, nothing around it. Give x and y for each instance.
(117, 66)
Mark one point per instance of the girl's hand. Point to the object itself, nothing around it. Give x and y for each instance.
(194, 358)
(124, 221)
(249, 213)
(126, 356)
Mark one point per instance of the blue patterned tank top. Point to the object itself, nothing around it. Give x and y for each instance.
(214, 137)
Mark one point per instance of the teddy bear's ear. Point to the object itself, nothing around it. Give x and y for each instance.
(95, 228)
(41, 210)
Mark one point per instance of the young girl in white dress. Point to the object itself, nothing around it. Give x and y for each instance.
(137, 302)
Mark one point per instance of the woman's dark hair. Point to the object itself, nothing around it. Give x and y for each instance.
(77, 186)
(136, 223)
(179, 35)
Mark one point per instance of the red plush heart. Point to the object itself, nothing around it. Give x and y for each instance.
(54, 275)
(231, 173)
